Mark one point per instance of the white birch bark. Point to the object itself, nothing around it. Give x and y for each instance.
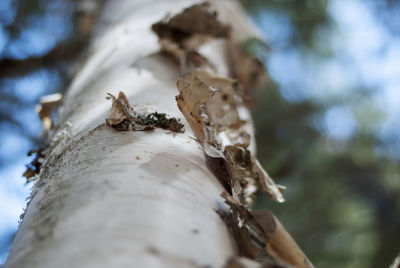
(106, 198)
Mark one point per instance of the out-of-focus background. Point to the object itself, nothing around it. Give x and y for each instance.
(327, 123)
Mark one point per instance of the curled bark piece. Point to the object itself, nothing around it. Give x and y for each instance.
(120, 109)
(282, 246)
(47, 104)
(195, 20)
(123, 117)
(212, 106)
(249, 236)
(181, 35)
(253, 230)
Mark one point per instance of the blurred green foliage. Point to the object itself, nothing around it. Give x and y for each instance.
(342, 206)
(343, 194)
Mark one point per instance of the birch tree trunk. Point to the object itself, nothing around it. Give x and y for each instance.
(106, 198)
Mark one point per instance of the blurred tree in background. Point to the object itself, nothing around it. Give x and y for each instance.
(40, 41)
(327, 124)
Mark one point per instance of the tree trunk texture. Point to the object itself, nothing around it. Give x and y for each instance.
(108, 198)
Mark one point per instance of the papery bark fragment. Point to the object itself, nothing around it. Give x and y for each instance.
(259, 232)
(211, 106)
(45, 109)
(123, 117)
(182, 34)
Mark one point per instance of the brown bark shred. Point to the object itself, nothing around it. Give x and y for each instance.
(45, 109)
(181, 35)
(195, 20)
(212, 108)
(123, 117)
(260, 236)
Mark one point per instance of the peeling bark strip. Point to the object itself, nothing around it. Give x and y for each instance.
(45, 109)
(195, 21)
(261, 236)
(181, 35)
(123, 117)
(212, 108)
